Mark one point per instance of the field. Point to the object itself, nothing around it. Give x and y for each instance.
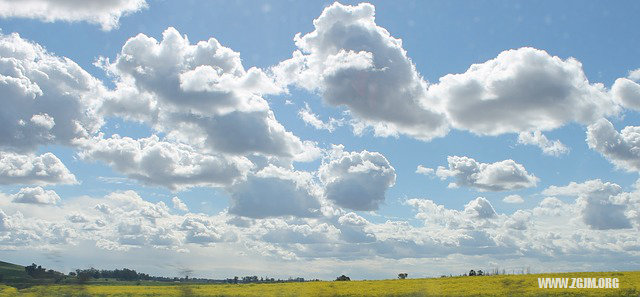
(499, 285)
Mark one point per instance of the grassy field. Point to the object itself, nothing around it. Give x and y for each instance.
(500, 285)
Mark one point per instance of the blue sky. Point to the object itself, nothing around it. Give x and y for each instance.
(368, 140)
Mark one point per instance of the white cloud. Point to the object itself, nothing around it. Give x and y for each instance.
(634, 75)
(104, 13)
(626, 91)
(172, 165)
(45, 169)
(596, 203)
(43, 120)
(425, 170)
(480, 208)
(353, 62)
(552, 148)
(356, 180)
(312, 119)
(53, 100)
(273, 192)
(499, 176)
(36, 195)
(621, 148)
(513, 199)
(198, 94)
(521, 90)
(178, 204)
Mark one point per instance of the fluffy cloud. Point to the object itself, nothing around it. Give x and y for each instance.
(424, 170)
(548, 147)
(156, 162)
(104, 13)
(178, 204)
(521, 90)
(499, 176)
(626, 91)
(597, 204)
(36, 195)
(357, 180)
(45, 169)
(275, 191)
(513, 199)
(198, 94)
(312, 119)
(52, 99)
(353, 62)
(621, 148)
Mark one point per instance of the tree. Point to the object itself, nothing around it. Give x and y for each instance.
(343, 278)
(402, 275)
(472, 272)
(480, 272)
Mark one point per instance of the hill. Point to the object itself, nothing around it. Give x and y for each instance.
(14, 275)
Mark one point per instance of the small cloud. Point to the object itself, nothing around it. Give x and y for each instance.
(513, 199)
(179, 205)
(425, 170)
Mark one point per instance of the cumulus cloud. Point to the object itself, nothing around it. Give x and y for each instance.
(499, 176)
(548, 147)
(310, 118)
(521, 90)
(172, 165)
(275, 191)
(45, 169)
(621, 148)
(424, 170)
(198, 94)
(36, 195)
(356, 180)
(353, 62)
(104, 13)
(53, 100)
(178, 204)
(597, 204)
(626, 91)
(513, 199)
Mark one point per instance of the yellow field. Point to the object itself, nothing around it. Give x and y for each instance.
(502, 285)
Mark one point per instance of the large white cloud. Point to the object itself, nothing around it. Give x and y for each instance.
(357, 180)
(104, 13)
(46, 99)
(521, 90)
(172, 165)
(596, 202)
(353, 62)
(621, 148)
(275, 191)
(499, 176)
(198, 94)
(45, 169)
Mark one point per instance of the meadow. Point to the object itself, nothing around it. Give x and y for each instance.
(497, 285)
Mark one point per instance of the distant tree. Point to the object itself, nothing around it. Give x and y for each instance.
(343, 278)
(480, 272)
(472, 272)
(83, 276)
(402, 275)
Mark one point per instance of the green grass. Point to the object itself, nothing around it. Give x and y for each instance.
(499, 285)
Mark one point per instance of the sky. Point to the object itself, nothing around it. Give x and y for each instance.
(313, 139)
